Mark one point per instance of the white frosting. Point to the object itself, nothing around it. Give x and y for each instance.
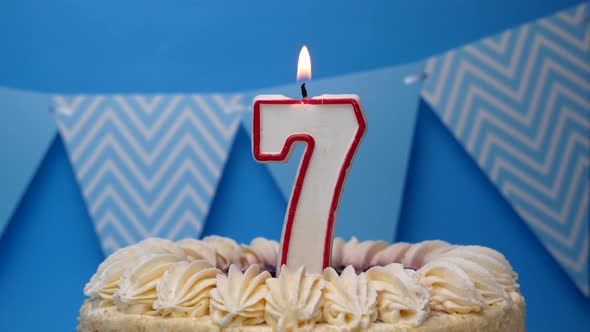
(198, 250)
(400, 298)
(228, 252)
(157, 245)
(466, 278)
(490, 259)
(159, 277)
(293, 302)
(262, 252)
(137, 286)
(392, 254)
(105, 281)
(420, 253)
(239, 299)
(338, 252)
(360, 254)
(450, 288)
(349, 302)
(183, 291)
(484, 282)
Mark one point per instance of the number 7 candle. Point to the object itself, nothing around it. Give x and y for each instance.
(331, 127)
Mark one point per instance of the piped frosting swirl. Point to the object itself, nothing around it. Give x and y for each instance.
(227, 252)
(105, 281)
(349, 302)
(239, 298)
(361, 254)
(160, 277)
(137, 286)
(198, 250)
(293, 302)
(400, 298)
(262, 252)
(183, 291)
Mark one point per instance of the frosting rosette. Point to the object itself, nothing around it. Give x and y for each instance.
(391, 254)
(262, 252)
(400, 298)
(349, 302)
(293, 302)
(338, 252)
(198, 250)
(157, 245)
(137, 286)
(239, 299)
(451, 289)
(183, 291)
(360, 254)
(490, 259)
(227, 252)
(420, 253)
(105, 281)
(467, 278)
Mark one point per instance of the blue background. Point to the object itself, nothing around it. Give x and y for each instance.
(49, 249)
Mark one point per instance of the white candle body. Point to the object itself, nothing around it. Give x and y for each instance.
(334, 128)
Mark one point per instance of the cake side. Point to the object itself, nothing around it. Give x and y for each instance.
(493, 319)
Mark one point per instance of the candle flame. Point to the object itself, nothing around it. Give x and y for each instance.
(304, 64)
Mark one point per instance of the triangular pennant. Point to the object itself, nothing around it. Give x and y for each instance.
(371, 199)
(147, 165)
(520, 105)
(26, 134)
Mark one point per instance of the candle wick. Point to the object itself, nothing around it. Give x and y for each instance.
(303, 91)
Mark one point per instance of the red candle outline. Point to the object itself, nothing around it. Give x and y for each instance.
(307, 138)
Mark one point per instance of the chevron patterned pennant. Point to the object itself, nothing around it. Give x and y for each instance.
(147, 165)
(519, 103)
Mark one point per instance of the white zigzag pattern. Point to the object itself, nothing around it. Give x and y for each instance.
(107, 156)
(111, 117)
(537, 63)
(147, 208)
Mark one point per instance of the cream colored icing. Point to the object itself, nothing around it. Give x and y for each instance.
(450, 288)
(262, 251)
(466, 278)
(157, 245)
(153, 278)
(239, 299)
(197, 250)
(420, 253)
(183, 291)
(137, 286)
(293, 302)
(228, 252)
(338, 251)
(400, 297)
(105, 281)
(484, 282)
(349, 302)
(391, 254)
(360, 254)
(490, 259)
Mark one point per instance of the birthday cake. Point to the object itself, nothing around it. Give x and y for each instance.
(216, 284)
